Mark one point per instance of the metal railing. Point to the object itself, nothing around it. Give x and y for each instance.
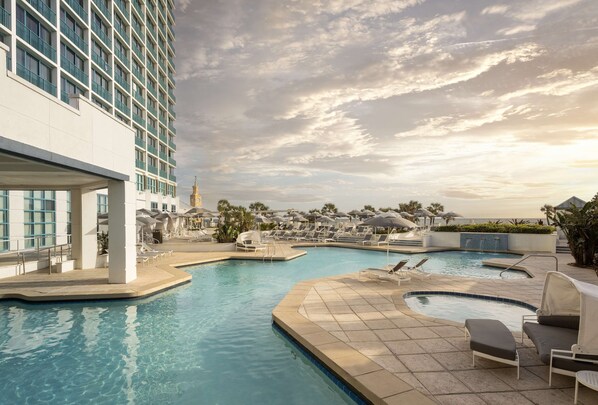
(33, 249)
(527, 257)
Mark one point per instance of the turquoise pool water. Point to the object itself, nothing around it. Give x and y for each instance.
(459, 308)
(208, 342)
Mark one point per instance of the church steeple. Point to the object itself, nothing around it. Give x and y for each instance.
(195, 198)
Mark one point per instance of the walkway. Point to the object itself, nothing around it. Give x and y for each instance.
(363, 330)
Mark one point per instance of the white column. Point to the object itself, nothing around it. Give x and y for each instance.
(16, 216)
(83, 227)
(61, 218)
(121, 223)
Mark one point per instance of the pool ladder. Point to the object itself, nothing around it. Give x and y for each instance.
(556, 264)
(270, 251)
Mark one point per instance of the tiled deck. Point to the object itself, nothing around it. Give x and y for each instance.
(364, 332)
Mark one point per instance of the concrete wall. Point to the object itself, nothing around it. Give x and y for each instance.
(520, 242)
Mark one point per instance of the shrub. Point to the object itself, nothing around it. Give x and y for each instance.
(497, 228)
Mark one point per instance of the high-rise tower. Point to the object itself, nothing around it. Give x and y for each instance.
(195, 198)
(117, 53)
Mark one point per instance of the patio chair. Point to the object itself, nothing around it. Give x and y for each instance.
(417, 270)
(367, 239)
(390, 273)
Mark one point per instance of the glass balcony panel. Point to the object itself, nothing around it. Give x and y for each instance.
(35, 79)
(77, 8)
(35, 41)
(72, 36)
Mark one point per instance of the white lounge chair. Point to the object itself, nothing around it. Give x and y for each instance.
(389, 273)
(416, 271)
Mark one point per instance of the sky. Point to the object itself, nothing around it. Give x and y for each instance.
(487, 107)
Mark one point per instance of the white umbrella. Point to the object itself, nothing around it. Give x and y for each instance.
(325, 219)
(389, 222)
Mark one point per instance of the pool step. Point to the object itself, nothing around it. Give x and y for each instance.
(407, 242)
(560, 248)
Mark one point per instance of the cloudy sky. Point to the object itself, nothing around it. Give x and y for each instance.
(488, 107)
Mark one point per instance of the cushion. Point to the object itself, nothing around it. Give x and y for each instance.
(562, 321)
(546, 338)
(492, 337)
(575, 366)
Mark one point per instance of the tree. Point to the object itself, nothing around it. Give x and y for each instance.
(435, 208)
(329, 208)
(580, 226)
(548, 210)
(369, 208)
(387, 209)
(258, 206)
(410, 207)
(233, 221)
(223, 205)
(315, 211)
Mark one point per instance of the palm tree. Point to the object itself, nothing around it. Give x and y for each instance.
(223, 205)
(258, 206)
(329, 208)
(548, 210)
(435, 208)
(369, 208)
(410, 207)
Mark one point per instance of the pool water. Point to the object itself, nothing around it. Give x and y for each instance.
(208, 342)
(459, 308)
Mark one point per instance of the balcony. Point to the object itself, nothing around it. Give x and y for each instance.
(164, 139)
(102, 92)
(35, 79)
(163, 156)
(172, 177)
(151, 48)
(74, 70)
(122, 31)
(122, 6)
(139, 98)
(44, 10)
(171, 111)
(151, 29)
(152, 110)
(151, 149)
(138, 73)
(163, 82)
(78, 9)
(122, 82)
(164, 174)
(102, 7)
(104, 65)
(151, 88)
(122, 56)
(139, 142)
(151, 69)
(172, 144)
(4, 17)
(172, 128)
(64, 96)
(152, 129)
(139, 120)
(103, 35)
(137, 7)
(162, 98)
(140, 164)
(35, 41)
(123, 108)
(171, 94)
(172, 161)
(152, 169)
(137, 51)
(72, 36)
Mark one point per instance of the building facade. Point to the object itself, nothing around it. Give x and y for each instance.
(118, 54)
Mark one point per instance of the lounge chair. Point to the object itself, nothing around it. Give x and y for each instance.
(367, 239)
(417, 270)
(145, 248)
(383, 240)
(250, 242)
(390, 273)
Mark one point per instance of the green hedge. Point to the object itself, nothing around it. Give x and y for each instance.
(497, 228)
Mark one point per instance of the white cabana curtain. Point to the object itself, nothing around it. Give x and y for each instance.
(564, 295)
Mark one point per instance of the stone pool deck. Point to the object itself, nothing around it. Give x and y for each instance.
(363, 331)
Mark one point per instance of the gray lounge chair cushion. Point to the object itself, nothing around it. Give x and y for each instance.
(546, 338)
(490, 336)
(573, 365)
(562, 321)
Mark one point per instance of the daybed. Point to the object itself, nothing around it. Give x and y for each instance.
(564, 329)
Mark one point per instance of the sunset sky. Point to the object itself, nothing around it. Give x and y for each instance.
(490, 108)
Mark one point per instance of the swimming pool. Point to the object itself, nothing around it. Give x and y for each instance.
(210, 341)
(459, 307)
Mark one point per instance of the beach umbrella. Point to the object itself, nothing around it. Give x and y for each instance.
(147, 220)
(300, 218)
(391, 214)
(354, 213)
(260, 219)
(424, 213)
(447, 216)
(366, 213)
(144, 212)
(406, 214)
(278, 219)
(325, 219)
(340, 214)
(389, 222)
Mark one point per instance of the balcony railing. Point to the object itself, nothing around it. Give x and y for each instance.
(4, 17)
(151, 88)
(122, 56)
(103, 9)
(44, 10)
(138, 73)
(163, 156)
(122, 6)
(35, 41)
(72, 35)
(101, 63)
(137, 7)
(103, 35)
(36, 79)
(64, 96)
(122, 107)
(74, 70)
(122, 31)
(78, 8)
(122, 81)
(172, 177)
(102, 92)
(164, 174)
(164, 139)
(172, 161)
(171, 144)
(139, 142)
(137, 51)
(152, 150)
(152, 129)
(152, 169)
(152, 110)
(139, 120)
(140, 164)
(171, 94)
(139, 98)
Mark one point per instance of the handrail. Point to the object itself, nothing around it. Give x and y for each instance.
(527, 257)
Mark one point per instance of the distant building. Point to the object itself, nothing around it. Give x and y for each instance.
(195, 198)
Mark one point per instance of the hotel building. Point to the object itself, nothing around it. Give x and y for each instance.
(103, 71)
